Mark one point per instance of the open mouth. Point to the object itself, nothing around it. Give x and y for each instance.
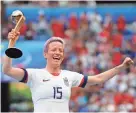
(56, 58)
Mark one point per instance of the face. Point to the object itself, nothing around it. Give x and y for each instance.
(55, 53)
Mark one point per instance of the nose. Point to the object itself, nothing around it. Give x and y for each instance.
(57, 52)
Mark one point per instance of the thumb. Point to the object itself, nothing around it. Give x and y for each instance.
(13, 30)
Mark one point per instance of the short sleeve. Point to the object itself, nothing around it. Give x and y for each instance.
(28, 76)
(79, 80)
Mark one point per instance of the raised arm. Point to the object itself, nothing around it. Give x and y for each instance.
(103, 77)
(7, 68)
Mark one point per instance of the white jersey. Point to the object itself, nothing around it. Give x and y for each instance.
(52, 93)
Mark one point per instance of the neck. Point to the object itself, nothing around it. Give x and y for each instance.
(53, 69)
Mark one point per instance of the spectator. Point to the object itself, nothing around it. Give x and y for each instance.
(116, 58)
(23, 29)
(73, 22)
(108, 24)
(42, 25)
(134, 39)
(132, 26)
(30, 33)
(117, 40)
(95, 20)
(121, 23)
(57, 28)
(104, 36)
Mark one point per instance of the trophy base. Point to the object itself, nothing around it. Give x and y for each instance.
(13, 52)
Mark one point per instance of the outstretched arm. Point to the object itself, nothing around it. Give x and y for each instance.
(7, 68)
(103, 77)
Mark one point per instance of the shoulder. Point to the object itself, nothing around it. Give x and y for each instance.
(70, 73)
(67, 72)
(35, 71)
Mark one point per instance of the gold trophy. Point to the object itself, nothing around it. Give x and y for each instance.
(19, 19)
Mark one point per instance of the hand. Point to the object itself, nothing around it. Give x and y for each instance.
(127, 62)
(13, 35)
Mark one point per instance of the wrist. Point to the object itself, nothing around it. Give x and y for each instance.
(121, 67)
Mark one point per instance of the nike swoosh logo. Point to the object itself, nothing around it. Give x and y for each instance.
(46, 80)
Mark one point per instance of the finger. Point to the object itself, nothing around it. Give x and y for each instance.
(11, 36)
(13, 30)
(13, 33)
(18, 33)
(132, 62)
(128, 58)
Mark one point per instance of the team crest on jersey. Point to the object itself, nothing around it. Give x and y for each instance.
(66, 81)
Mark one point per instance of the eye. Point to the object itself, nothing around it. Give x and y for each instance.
(53, 50)
(61, 50)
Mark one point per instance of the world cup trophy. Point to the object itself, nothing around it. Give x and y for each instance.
(18, 18)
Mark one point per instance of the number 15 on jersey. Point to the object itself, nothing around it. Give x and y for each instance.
(57, 92)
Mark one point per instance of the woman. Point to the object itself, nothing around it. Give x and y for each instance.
(51, 86)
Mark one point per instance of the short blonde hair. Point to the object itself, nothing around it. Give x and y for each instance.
(53, 39)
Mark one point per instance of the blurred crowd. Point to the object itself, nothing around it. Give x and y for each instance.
(52, 3)
(93, 44)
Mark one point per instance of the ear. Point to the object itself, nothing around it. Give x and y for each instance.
(63, 56)
(45, 55)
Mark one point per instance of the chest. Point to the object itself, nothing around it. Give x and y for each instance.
(56, 88)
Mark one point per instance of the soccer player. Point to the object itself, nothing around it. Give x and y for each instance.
(51, 86)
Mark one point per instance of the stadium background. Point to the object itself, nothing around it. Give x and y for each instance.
(98, 35)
